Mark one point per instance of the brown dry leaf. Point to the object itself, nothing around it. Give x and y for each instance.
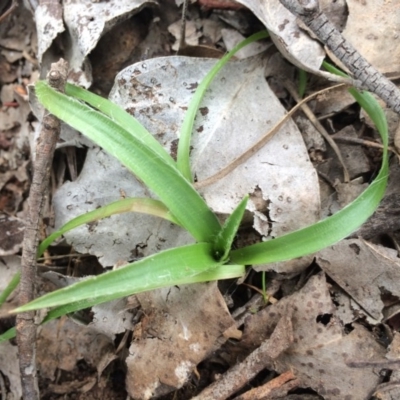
(179, 328)
(11, 235)
(364, 271)
(68, 342)
(320, 347)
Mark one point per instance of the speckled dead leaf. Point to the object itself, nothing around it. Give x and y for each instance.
(11, 235)
(320, 347)
(85, 22)
(123, 237)
(49, 24)
(293, 42)
(373, 28)
(363, 270)
(179, 327)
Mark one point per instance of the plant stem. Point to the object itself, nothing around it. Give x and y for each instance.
(26, 325)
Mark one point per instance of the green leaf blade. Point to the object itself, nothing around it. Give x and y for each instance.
(166, 268)
(164, 180)
(183, 161)
(132, 204)
(120, 116)
(332, 229)
(224, 240)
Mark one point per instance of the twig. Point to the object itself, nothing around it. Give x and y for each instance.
(267, 391)
(384, 363)
(182, 39)
(367, 143)
(308, 112)
(26, 327)
(12, 7)
(263, 357)
(366, 75)
(260, 143)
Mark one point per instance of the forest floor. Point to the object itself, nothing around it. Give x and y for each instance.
(325, 325)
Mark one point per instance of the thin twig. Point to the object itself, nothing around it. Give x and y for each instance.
(260, 143)
(308, 112)
(367, 143)
(263, 357)
(367, 77)
(26, 326)
(12, 7)
(384, 363)
(282, 384)
(182, 39)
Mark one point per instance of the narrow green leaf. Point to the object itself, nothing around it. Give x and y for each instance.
(10, 288)
(302, 82)
(8, 335)
(329, 231)
(165, 181)
(185, 136)
(224, 239)
(213, 274)
(166, 268)
(132, 204)
(121, 117)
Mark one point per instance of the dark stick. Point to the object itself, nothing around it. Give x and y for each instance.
(26, 326)
(182, 39)
(263, 357)
(367, 77)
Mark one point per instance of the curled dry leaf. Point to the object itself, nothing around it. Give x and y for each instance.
(86, 22)
(292, 41)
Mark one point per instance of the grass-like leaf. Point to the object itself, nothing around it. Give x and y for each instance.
(213, 274)
(224, 240)
(121, 117)
(193, 263)
(133, 204)
(10, 288)
(185, 136)
(329, 231)
(162, 269)
(164, 180)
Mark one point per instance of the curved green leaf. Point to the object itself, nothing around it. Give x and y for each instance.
(164, 180)
(132, 204)
(166, 268)
(220, 272)
(185, 136)
(329, 231)
(121, 117)
(224, 240)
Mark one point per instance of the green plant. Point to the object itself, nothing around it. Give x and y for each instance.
(212, 257)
